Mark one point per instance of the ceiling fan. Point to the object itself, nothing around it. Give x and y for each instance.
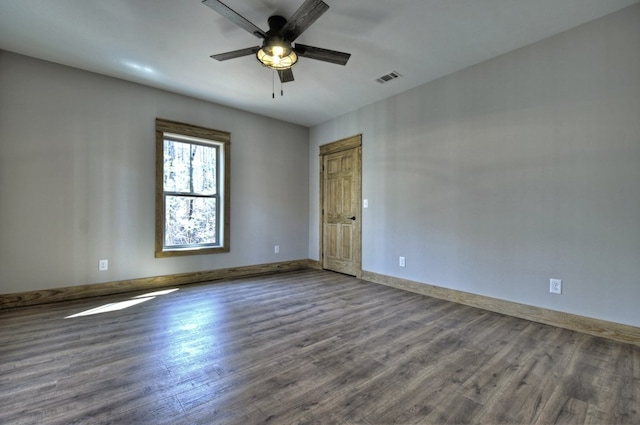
(277, 51)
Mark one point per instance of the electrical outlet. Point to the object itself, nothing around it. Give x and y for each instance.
(401, 262)
(276, 249)
(555, 286)
(103, 265)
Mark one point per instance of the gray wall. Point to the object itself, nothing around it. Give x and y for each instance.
(498, 177)
(77, 158)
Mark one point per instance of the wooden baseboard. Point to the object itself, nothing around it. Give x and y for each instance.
(44, 296)
(315, 264)
(596, 327)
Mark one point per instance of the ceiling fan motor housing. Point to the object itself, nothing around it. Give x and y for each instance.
(276, 51)
(276, 23)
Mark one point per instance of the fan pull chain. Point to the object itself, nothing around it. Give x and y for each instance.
(273, 85)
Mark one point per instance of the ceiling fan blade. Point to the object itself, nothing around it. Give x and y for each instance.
(285, 75)
(320, 54)
(303, 18)
(236, 53)
(235, 17)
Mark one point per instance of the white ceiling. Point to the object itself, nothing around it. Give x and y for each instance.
(167, 44)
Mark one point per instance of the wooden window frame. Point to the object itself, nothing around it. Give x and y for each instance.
(222, 138)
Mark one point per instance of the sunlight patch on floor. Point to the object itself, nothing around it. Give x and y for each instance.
(157, 293)
(139, 299)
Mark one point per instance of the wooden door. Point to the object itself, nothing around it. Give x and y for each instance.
(341, 193)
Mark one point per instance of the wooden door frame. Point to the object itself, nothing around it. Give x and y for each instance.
(333, 147)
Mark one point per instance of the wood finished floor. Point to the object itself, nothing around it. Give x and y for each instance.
(305, 347)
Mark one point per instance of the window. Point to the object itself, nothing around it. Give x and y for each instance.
(192, 189)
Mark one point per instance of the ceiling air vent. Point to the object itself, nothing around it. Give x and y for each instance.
(388, 77)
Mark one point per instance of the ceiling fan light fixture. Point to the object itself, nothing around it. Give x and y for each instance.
(277, 54)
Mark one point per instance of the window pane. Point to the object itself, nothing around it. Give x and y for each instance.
(190, 220)
(203, 162)
(189, 168)
(176, 166)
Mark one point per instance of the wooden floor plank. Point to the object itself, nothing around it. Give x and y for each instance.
(305, 347)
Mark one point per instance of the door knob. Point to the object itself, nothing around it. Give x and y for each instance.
(353, 218)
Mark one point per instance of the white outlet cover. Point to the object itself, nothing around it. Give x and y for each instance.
(555, 286)
(365, 203)
(103, 265)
